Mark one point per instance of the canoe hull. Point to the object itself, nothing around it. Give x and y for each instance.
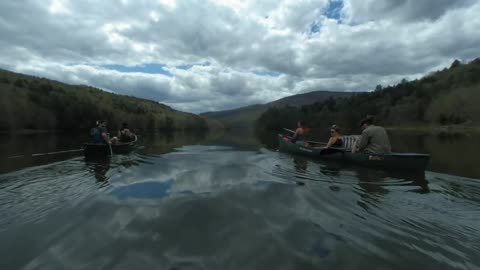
(103, 150)
(396, 161)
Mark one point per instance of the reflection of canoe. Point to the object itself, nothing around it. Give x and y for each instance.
(98, 150)
(403, 161)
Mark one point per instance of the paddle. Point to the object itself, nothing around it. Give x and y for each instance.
(45, 154)
(327, 150)
(109, 144)
(312, 142)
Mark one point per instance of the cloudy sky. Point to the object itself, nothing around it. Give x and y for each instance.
(204, 55)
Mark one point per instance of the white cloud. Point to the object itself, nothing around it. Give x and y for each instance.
(258, 50)
(58, 7)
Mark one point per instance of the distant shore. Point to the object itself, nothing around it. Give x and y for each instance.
(436, 129)
(452, 129)
(27, 131)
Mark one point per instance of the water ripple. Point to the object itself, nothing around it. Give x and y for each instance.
(214, 207)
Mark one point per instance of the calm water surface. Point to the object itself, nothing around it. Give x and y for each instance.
(197, 201)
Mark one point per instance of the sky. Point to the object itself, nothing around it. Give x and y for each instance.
(208, 55)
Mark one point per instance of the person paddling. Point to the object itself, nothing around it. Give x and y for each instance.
(374, 139)
(96, 133)
(299, 137)
(125, 135)
(106, 135)
(100, 134)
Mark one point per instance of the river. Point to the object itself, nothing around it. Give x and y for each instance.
(232, 201)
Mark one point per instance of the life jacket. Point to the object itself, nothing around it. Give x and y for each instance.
(96, 135)
(338, 143)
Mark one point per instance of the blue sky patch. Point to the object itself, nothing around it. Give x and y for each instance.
(144, 190)
(334, 10)
(315, 27)
(146, 68)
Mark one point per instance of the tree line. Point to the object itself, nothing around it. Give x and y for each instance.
(28, 102)
(447, 97)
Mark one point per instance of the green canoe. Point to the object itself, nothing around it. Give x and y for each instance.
(103, 150)
(400, 161)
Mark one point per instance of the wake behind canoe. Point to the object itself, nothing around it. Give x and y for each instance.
(400, 161)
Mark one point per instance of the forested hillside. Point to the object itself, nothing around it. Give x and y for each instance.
(245, 117)
(32, 103)
(447, 97)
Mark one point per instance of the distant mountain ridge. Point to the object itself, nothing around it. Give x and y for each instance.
(246, 116)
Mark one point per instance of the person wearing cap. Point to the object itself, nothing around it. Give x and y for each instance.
(374, 139)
